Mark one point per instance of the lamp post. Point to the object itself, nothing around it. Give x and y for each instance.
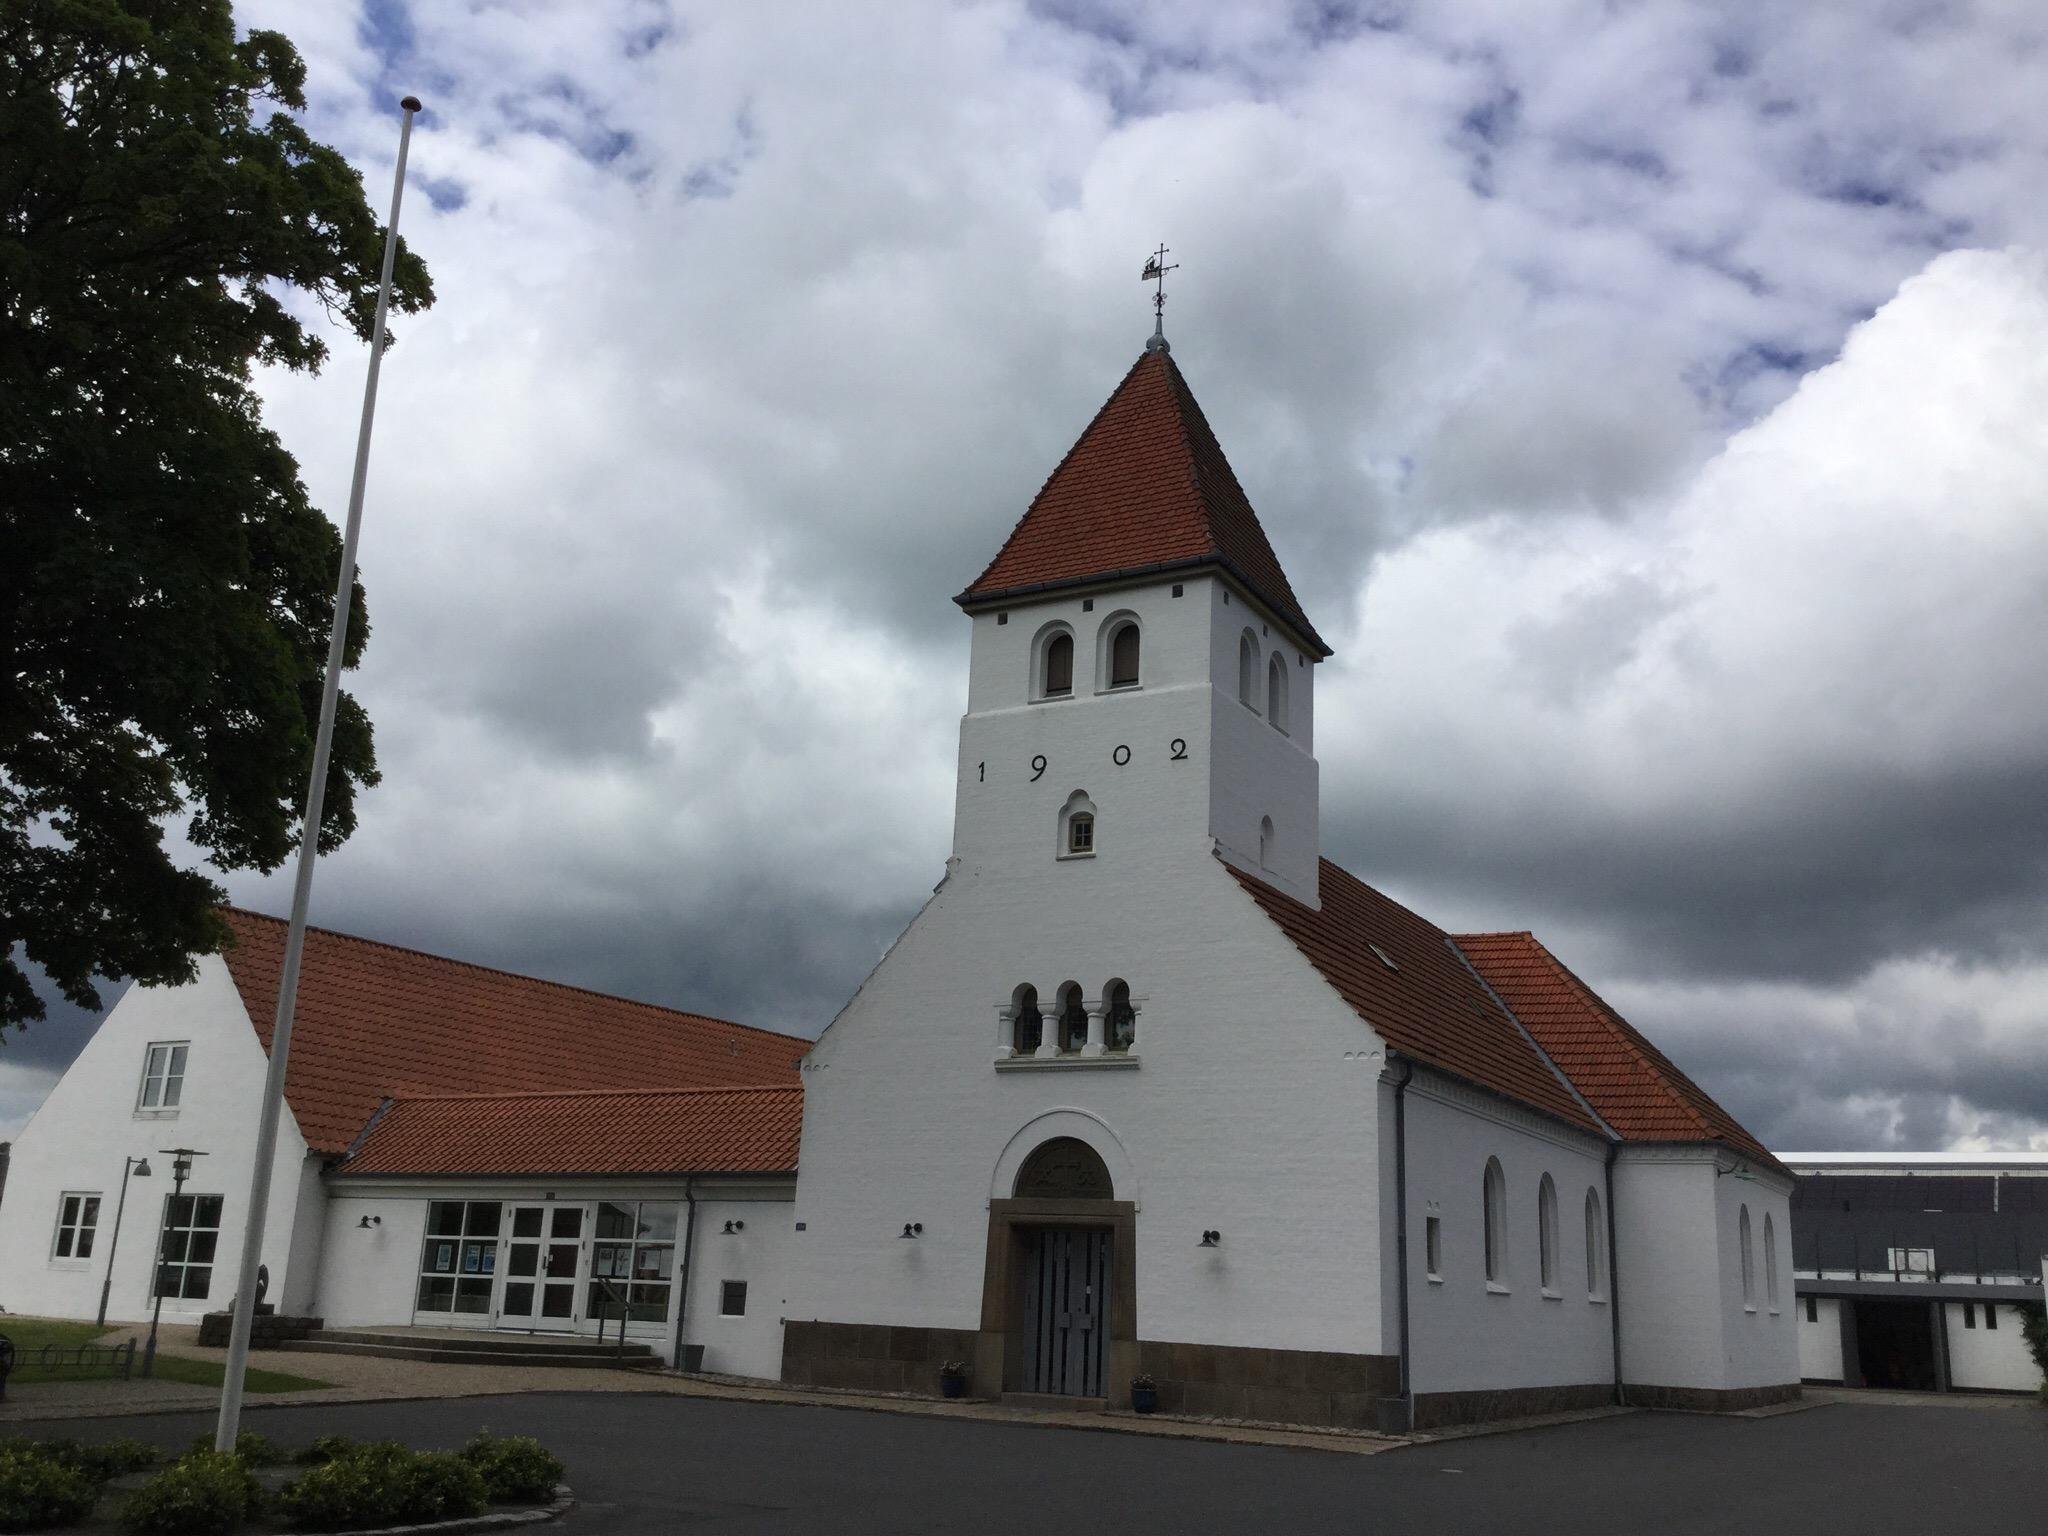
(181, 1170)
(139, 1166)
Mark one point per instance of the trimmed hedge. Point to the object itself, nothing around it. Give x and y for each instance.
(98, 1461)
(255, 1450)
(383, 1483)
(516, 1469)
(37, 1492)
(204, 1493)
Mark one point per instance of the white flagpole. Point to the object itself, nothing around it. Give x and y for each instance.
(309, 845)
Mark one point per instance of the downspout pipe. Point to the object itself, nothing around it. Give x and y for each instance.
(1614, 1278)
(683, 1281)
(1406, 1400)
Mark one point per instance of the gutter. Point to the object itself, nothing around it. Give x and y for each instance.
(1404, 1403)
(1614, 1277)
(683, 1281)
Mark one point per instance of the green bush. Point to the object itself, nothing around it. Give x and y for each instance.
(37, 1491)
(364, 1486)
(254, 1449)
(201, 1494)
(516, 1469)
(325, 1448)
(97, 1462)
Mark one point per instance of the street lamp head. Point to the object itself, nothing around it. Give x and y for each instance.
(141, 1168)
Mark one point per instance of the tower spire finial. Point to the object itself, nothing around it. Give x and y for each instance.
(1155, 273)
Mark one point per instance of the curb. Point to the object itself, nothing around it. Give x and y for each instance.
(498, 1520)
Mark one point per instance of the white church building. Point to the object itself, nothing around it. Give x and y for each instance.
(1148, 1088)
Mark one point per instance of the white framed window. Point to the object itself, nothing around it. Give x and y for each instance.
(1081, 833)
(185, 1259)
(1546, 1234)
(1748, 1263)
(1077, 827)
(634, 1250)
(1433, 1248)
(732, 1298)
(1596, 1247)
(163, 1075)
(1494, 1201)
(1910, 1263)
(78, 1220)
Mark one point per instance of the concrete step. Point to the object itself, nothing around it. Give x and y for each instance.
(485, 1341)
(636, 1357)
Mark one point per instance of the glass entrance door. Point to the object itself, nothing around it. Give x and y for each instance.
(542, 1256)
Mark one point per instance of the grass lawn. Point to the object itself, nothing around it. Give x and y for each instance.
(30, 1335)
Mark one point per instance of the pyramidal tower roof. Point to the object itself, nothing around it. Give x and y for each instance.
(1145, 490)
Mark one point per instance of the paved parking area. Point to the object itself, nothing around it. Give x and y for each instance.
(660, 1464)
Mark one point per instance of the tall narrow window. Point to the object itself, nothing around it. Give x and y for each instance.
(1123, 657)
(185, 1259)
(1276, 691)
(1596, 1247)
(1265, 842)
(78, 1218)
(1059, 666)
(1073, 1018)
(1991, 1315)
(1812, 1309)
(1247, 670)
(1433, 1247)
(1123, 1018)
(1770, 1262)
(1494, 1196)
(1748, 1262)
(1546, 1233)
(1027, 1024)
(163, 1075)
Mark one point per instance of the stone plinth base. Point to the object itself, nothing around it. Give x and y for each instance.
(266, 1329)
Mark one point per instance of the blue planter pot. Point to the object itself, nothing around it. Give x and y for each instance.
(952, 1386)
(1144, 1399)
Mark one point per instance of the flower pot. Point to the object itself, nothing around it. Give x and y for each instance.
(952, 1386)
(1144, 1399)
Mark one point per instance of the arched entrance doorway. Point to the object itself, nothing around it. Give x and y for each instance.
(1058, 1302)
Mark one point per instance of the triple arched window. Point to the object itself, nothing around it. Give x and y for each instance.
(1077, 1026)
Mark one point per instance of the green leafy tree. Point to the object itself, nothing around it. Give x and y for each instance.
(166, 586)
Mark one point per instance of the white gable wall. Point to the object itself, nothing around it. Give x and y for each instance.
(90, 1121)
(1820, 1341)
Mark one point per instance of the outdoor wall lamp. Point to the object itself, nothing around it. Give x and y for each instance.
(732, 1227)
(913, 1229)
(370, 1221)
(1211, 1239)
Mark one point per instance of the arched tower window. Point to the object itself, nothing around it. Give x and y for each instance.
(1748, 1261)
(1027, 1024)
(1770, 1262)
(1546, 1232)
(1123, 1018)
(1059, 666)
(1073, 1018)
(1266, 842)
(1276, 691)
(1247, 670)
(1494, 1199)
(1596, 1245)
(1123, 657)
(1077, 827)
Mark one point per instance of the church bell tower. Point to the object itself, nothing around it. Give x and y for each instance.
(1141, 685)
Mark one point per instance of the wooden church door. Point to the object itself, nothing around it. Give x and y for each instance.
(1066, 1311)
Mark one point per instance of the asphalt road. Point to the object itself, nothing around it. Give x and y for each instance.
(661, 1464)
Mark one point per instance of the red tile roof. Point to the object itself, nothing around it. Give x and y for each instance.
(1428, 1004)
(621, 1131)
(1145, 487)
(376, 1021)
(1634, 1086)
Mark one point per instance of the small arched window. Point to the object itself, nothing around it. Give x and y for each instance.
(1266, 842)
(1770, 1262)
(1494, 1197)
(1546, 1233)
(1081, 832)
(1276, 691)
(1123, 1018)
(1073, 1018)
(1059, 666)
(1596, 1246)
(1123, 657)
(1077, 827)
(1027, 1024)
(1748, 1262)
(1247, 670)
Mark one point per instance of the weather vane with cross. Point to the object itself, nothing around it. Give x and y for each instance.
(1155, 273)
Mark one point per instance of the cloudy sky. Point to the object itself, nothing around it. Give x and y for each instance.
(1649, 400)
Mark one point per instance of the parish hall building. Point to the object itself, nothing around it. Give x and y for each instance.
(1148, 1087)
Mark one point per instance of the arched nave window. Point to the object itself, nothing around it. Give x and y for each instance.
(1247, 670)
(1027, 1024)
(1265, 842)
(1748, 1264)
(1073, 1018)
(1494, 1195)
(1123, 657)
(1596, 1246)
(1056, 666)
(1770, 1262)
(1123, 1018)
(1546, 1233)
(1276, 692)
